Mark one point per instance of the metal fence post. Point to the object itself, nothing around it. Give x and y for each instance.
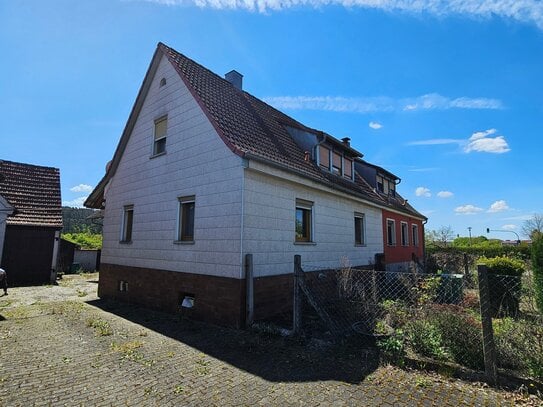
(489, 348)
(250, 288)
(297, 306)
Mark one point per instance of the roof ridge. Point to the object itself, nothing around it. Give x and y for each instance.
(28, 165)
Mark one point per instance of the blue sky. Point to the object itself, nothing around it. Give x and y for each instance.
(448, 97)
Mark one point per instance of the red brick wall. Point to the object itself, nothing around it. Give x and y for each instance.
(218, 300)
(399, 253)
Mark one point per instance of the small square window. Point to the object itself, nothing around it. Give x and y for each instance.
(359, 229)
(161, 128)
(185, 226)
(304, 211)
(126, 224)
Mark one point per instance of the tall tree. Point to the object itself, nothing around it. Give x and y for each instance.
(440, 237)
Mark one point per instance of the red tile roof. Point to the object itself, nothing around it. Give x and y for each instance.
(250, 128)
(34, 192)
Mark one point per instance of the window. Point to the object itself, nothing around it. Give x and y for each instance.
(405, 234)
(126, 226)
(163, 82)
(415, 234)
(303, 220)
(359, 229)
(380, 183)
(185, 226)
(324, 157)
(337, 163)
(161, 127)
(348, 173)
(391, 232)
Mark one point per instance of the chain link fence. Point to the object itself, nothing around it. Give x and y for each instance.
(427, 317)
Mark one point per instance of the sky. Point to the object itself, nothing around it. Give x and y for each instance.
(446, 95)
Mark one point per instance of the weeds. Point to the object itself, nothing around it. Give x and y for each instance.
(101, 327)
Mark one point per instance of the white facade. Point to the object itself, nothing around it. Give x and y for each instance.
(269, 224)
(198, 163)
(5, 210)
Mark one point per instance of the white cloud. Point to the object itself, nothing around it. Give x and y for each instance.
(499, 206)
(432, 101)
(375, 125)
(524, 11)
(435, 142)
(480, 142)
(467, 210)
(422, 191)
(76, 203)
(81, 188)
(445, 194)
(426, 169)
(509, 227)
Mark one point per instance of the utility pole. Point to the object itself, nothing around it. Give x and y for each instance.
(469, 230)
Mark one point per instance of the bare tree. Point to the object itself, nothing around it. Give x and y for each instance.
(533, 226)
(440, 237)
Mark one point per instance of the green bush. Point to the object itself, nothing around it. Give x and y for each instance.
(519, 345)
(393, 348)
(537, 268)
(503, 265)
(85, 240)
(461, 334)
(504, 280)
(425, 339)
(521, 252)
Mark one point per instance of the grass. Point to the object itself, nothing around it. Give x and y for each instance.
(101, 327)
(129, 351)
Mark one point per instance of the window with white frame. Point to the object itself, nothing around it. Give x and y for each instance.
(404, 234)
(335, 162)
(185, 215)
(359, 229)
(415, 234)
(324, 157)
(391, 232)
(160, 132)
(126, 224)
(304, 219)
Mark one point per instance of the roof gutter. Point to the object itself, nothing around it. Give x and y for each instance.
(358, 195)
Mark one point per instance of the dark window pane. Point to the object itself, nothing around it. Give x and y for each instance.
(303, 224)
(187, 221)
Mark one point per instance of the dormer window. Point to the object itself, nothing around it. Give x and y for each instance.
(335, 162)
(337, 167)
(324, 157)
(385, 185)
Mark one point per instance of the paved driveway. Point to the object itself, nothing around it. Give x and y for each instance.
(62, 346)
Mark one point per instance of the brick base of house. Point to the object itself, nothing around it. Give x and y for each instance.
(218, 300)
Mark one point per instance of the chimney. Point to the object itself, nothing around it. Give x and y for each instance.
(346, 141)
(235, 78)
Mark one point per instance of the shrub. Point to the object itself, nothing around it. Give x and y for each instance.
(425, 339)
(505, 284)
(393, 348)
(503, 265)
(85, 240)
(537, 267)
(461, 334)
(519, 345)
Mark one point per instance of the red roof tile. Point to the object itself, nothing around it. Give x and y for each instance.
(250, 128)
(33, 191)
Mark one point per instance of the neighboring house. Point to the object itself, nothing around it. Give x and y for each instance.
(403, 226)
(205, 173)
(29, 234)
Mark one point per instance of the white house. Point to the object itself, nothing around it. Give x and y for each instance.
(205, 173)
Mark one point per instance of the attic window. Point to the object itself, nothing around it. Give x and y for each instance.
(337, 163)
(324, 157)
(161, 128)
(162, 82)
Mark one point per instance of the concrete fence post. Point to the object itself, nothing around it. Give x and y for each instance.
(297, 304)
(489, 347)
(249, 282)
